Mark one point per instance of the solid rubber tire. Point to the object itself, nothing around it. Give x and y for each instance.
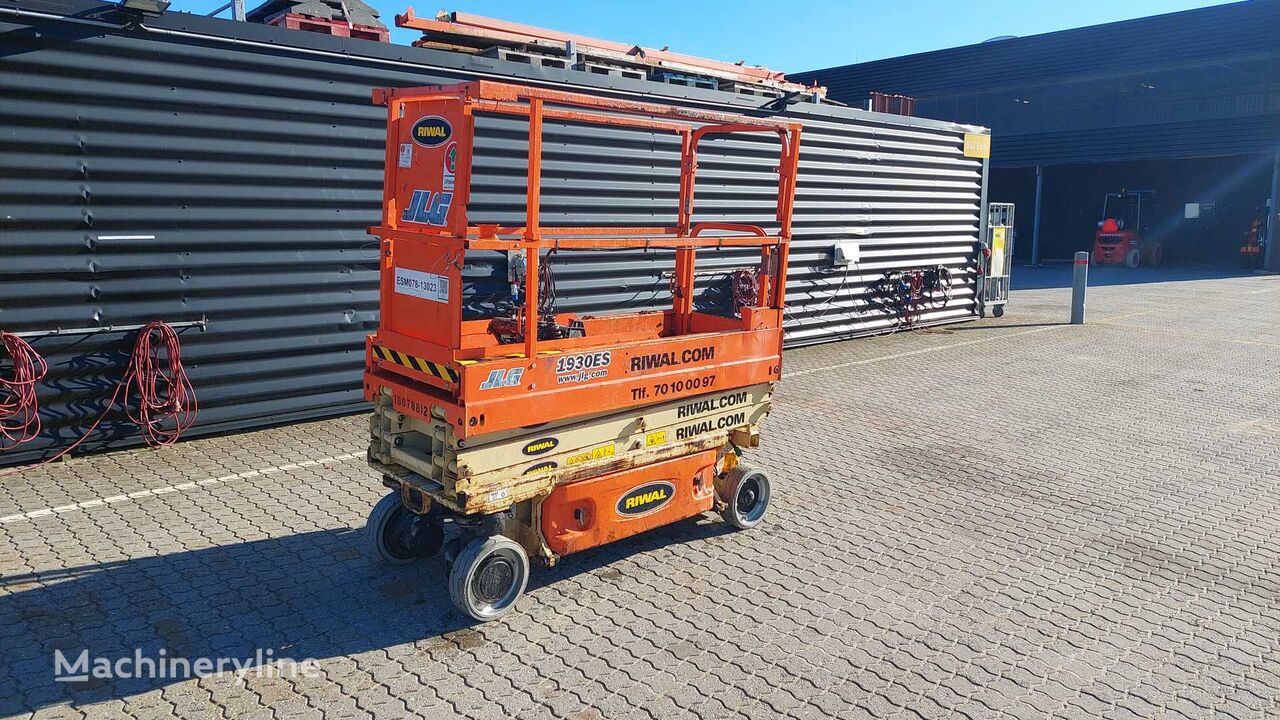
(468, 562)
(376, 527)
(731, 485)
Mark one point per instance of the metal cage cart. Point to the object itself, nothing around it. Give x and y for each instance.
(995, 288)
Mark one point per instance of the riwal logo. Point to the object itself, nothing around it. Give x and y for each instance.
(431, 131)
(537, 447)
(428, 208)
(645, 499)
(502, 378)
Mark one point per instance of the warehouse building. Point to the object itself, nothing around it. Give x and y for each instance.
(1185, 104)
(220, 176)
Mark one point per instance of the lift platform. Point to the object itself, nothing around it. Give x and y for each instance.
(534, 432)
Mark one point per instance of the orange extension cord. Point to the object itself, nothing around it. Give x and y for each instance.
(156, 394)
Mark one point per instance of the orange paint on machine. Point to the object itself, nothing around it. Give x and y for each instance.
(449, 387)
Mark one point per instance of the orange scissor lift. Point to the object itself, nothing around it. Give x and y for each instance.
(535, 433)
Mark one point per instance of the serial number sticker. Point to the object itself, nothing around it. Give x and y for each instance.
(583, 367)
(404, 402)
(406, 155)
(497, 495)
(425, 285)
(595, 453)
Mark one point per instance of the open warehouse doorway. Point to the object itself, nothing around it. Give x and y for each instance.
(1199, 209)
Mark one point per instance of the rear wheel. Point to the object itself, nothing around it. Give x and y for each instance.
(399, 536)
(1157, 255)
(488, 577)
(1133, 258)
(746, 493)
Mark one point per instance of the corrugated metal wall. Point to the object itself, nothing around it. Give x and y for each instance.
(1198, 83)
(199, 168)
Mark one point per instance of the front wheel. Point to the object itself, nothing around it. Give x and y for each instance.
(746, 493)
(998, 311)
(1133, 259)
(488, 576)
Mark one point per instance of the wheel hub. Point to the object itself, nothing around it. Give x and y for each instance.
(748, 496)
(410, 535)
(494, 579)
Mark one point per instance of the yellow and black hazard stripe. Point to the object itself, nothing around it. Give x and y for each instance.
(444, 372)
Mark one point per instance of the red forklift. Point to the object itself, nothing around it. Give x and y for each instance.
(1123, 235)
(1254, 247)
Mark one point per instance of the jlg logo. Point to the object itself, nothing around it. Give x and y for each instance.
(428, 208)
(502, 378)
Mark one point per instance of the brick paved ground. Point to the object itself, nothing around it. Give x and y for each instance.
(1005, 518)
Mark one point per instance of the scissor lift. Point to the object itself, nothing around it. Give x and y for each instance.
(537, 434)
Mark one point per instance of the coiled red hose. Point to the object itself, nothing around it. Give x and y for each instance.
(19, 408)
(166, 402)
(155, 391)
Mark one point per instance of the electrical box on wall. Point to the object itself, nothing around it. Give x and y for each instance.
(845, 252)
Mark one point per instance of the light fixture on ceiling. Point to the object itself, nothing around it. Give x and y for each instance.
(145, 7)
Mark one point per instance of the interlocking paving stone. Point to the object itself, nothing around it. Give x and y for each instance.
(1008, 518)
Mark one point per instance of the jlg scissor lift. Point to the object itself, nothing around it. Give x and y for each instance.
(536, 434)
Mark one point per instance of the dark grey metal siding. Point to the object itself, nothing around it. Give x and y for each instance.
(1190, 84)
(254, 157)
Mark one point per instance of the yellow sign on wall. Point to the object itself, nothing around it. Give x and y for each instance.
(997, 250)
(977, 146)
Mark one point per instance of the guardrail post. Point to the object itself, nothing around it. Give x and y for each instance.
(1080, 279)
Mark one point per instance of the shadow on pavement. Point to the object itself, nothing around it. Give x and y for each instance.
(1026, 277)
(311, 595)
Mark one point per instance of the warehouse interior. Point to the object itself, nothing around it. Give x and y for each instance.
(1228, 193)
